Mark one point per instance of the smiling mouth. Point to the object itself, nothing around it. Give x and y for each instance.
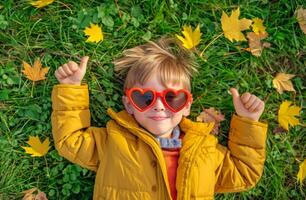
(157, 118)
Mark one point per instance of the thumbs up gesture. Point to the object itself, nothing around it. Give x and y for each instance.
(247, 105)
(71, 72)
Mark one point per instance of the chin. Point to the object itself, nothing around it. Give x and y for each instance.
(156, 131)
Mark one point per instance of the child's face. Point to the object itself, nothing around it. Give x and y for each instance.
(158, 119)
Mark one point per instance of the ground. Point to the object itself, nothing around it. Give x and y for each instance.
(54, 34)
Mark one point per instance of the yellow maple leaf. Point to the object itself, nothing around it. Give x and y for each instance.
(35, 73)
(282, 82)
(191, 38)
(258, 26)
(94, 32)
(287, 114)
(232, 26)
(301, 17)
(302, 172)
(41, 3)
(37, 148)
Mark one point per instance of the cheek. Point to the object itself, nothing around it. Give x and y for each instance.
(177, 117)
(186, 111)
(139, 116)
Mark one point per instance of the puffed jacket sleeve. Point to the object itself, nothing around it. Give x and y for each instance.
(73, 136)
(240, 166)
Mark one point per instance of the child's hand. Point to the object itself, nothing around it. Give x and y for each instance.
(248, 105)
(71, 72)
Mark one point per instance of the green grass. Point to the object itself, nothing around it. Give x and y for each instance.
(55, 35)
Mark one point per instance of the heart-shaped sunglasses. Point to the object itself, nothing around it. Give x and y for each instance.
(144, 98)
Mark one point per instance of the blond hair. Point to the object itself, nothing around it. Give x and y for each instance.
(167, 57)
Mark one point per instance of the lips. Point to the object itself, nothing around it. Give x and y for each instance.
(158, 118)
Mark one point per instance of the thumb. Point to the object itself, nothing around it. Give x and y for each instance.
(234, 92)
(83, 63)
(235, 95)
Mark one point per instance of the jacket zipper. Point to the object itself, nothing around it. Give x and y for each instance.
(188, 164)
(160, 174)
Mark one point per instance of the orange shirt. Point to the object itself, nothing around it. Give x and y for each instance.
(171, 157)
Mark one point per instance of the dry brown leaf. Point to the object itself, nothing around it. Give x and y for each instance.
(29, 194)
(41, 196)
(2, 105)
(279, 130)
(211, 115)
(282, 82)
(301, 17)
(255, 44)
(35, 73)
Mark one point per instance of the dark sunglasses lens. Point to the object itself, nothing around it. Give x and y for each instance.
(142, 100)
(176, 101)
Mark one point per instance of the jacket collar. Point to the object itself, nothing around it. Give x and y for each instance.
(124, 119)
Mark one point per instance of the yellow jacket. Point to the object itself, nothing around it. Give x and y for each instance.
(129, 163)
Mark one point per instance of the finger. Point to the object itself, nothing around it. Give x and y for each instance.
(57, 75)
(254, 105)
(235, 95)
(73, 66)
(62, 72)
(66, 68)
(261, 106)
(251, 100)
(245, 97)
(83, 63)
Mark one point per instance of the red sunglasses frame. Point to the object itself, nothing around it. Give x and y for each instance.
(162, 95)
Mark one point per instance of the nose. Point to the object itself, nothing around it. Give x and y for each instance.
(159, 105)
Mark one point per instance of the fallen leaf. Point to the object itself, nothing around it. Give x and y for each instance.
(28, 194)
(287, 114)
(94, 32)
(211, 115)
(255, 44)
(37, 148)
(282, 82)
(41, 3)
(2, 105)
(41, 196)
(258, 26)
(191, 38)
(35, 73)
(302, 172)
(232, 26)
(301, 17)
(279, 130)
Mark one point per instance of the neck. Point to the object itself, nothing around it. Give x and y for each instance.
(166, 134)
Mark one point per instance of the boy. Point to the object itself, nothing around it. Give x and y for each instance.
(151, 150)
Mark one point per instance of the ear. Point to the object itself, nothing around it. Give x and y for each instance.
(186, 110)
(127, 105)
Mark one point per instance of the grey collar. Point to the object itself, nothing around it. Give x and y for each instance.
(171, 143)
